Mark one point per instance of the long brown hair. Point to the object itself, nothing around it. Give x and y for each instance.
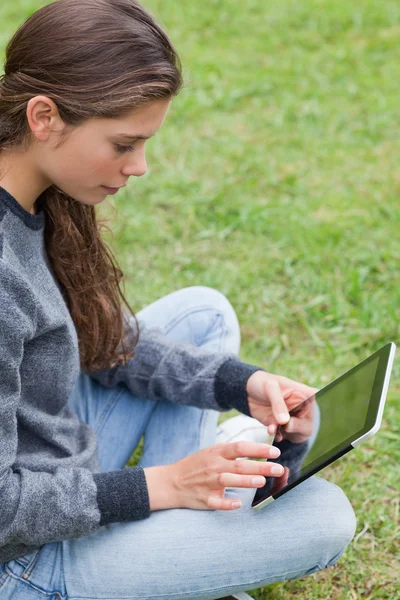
(93, 58)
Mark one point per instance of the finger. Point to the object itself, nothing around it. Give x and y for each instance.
(281, 482)
(249, 467)
(308, 390)
(274, 395)
(246, 481)
(223, 503)
(303, 426)
(233, 450)
(272, 428)
(285, 477)
(292, 425)
(301, 410)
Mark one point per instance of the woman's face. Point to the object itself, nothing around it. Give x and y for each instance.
(97, 153)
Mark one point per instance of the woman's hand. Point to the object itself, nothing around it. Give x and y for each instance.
(198, 481)
(301, 425)
(271, 397)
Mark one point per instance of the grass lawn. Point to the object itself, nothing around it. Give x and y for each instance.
(275, 180)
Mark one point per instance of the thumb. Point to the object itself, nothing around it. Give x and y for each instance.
(290, 425)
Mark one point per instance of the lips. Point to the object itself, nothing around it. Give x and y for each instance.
(112, 190)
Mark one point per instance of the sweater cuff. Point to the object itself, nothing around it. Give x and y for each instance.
(230, 385)
(122, 495)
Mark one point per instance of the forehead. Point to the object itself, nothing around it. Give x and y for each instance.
(143, 121)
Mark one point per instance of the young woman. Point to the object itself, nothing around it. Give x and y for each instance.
(86, 83)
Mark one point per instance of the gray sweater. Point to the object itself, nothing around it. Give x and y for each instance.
(51, 487)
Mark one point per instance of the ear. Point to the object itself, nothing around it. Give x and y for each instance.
(43, 117)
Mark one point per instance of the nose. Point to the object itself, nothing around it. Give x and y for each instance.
(136, 167)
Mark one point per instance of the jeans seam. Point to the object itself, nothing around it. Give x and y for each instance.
(31, 565)
(28, 567)
(32, 585)
(104, 416)
(185, 314)
(4, 577)
(177, 318)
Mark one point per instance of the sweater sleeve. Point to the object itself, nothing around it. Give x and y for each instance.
(180, 372)
(40, 507)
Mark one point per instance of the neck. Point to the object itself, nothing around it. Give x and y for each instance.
(21, 179)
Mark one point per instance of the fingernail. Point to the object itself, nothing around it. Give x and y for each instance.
(283, 417)
(277, 470)
(257, 480)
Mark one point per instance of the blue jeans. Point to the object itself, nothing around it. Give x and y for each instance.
(181, 553)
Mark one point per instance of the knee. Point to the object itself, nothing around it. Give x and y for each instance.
(216, 300)
(325, 522)
(344, 520)
(210, 296)
(336, 524)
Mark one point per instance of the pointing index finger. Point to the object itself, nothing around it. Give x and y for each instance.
(278, 404)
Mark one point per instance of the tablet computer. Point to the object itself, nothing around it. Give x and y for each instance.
(337, 418)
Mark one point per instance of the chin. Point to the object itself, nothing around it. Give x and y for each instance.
(95, 199)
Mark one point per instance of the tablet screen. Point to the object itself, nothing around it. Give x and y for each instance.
(343, 411)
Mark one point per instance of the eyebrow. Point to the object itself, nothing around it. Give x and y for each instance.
(135, 137)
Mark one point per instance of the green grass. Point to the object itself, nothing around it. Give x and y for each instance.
(275, 179)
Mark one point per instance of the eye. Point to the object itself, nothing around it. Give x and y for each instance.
(122, 149)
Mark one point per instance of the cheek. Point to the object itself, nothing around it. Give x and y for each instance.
(100, 160)
(88, 163)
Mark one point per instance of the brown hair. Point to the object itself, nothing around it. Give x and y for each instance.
(93, 58)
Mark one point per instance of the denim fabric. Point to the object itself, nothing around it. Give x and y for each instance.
(181, 553)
